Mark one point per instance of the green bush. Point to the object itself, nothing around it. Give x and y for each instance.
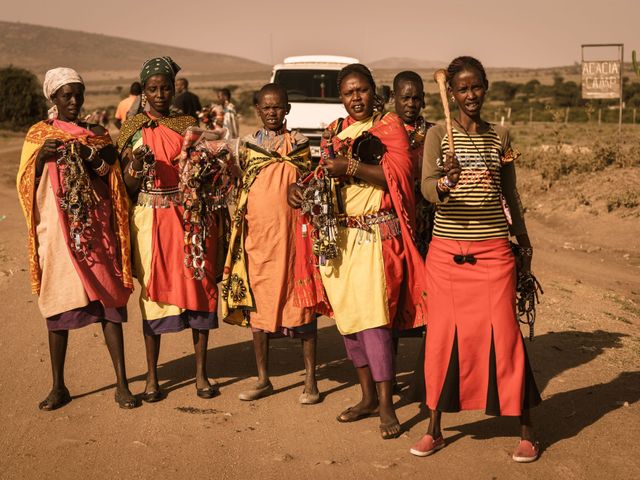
(21, 101)
(622, 199)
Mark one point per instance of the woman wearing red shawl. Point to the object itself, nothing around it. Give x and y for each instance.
(171, 299)
(375, 283)
(73, 198)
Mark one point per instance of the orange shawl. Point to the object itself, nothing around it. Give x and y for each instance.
(26, 183)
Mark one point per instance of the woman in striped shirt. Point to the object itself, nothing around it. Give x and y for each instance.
(475, 352)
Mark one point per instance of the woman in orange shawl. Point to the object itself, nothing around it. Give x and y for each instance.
(375, 284)
(78, 238)
(171, 299)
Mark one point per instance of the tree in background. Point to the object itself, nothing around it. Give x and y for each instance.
(21, 100)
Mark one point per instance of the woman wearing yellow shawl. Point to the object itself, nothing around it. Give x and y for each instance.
(73, 198)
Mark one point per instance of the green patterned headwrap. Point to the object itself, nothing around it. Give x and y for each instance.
(159, 66)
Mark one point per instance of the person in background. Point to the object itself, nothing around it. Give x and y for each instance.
(185, 102)
(407, 98)
(408, 101)
(122, 111)
(230, 115)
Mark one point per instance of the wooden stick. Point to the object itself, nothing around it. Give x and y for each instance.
(440, 76)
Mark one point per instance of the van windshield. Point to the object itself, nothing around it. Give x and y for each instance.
(314, 86)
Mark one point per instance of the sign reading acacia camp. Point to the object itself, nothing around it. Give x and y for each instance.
(601, 79)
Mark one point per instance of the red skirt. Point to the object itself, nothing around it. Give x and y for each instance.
(475, 355)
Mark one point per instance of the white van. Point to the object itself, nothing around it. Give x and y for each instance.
(312, 84)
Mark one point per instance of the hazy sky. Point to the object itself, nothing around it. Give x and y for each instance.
(506, 33)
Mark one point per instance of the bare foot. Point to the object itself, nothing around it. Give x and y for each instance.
(358, 412)
(58, 397)
(125, 399)
(389, 425)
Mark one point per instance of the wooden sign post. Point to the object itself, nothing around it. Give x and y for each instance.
(603, 78)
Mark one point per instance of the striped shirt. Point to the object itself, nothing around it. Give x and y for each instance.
(474, 209)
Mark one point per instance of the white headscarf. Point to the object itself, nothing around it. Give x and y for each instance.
(56, 78)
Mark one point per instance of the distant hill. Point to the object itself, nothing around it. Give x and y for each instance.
(404, 63)
(101, 57)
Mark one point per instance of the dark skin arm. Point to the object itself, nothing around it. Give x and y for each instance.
(523, 241)
(132, 183)
(372, 174)
(48, 153)
(337, 167)
(294, 196)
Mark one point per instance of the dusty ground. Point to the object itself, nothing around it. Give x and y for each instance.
(586, 358)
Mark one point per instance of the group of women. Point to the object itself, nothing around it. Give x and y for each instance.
(98, 212)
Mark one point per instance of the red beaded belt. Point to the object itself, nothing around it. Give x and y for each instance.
(387, 220)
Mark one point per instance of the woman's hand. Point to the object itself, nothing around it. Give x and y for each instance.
(526, 263)
(452, 168)
(336, 167)
(294, 195)
(139, 155)
(85, 153)
(49, 151)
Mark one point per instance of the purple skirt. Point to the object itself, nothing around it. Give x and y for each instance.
(176, 323)
(374, 348)
(87, 315)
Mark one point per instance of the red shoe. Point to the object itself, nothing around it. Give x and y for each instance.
(526, 452)
(427, 445)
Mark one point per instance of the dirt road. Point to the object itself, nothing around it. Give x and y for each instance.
(586, 358)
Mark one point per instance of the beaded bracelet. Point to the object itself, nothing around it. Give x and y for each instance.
(442, 186)
(352, 166)
(133, 172)
(526, 251)
(103, 169)
(92, 155)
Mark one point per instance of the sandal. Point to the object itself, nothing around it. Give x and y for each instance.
(55, 400)
(207, 392)
(427, 445)
(256, 393)
(309, 398)
(152, 397)
(350, 415)
(126, 403)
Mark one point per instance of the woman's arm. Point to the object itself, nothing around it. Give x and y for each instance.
(373, 174)
(432, 173)
(48, 152)
(131, 166)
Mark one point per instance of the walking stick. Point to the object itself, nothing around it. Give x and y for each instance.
(440, 76)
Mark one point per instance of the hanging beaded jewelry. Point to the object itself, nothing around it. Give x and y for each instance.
(205, 184)
(76, 198)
